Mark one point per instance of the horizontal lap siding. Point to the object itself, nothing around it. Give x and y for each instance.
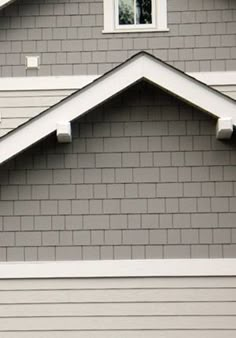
(140, 307)
(126, 334)
(17, 107)
(227, 90)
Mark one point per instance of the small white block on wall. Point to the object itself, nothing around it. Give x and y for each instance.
(224, 128)
(32, 62)
(64, 132)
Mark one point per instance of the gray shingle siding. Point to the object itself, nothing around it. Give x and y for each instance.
(144, 177)
(68, 37)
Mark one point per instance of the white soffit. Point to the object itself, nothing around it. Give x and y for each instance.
(141, 66)
(4, 3)
(120, 268)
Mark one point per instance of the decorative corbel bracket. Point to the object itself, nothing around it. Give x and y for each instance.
(224, 128)
(64, 134)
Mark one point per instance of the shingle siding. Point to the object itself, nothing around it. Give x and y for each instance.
(68, 37)
(17, 107)
(144, 177)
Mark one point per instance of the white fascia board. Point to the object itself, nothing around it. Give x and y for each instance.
(189, 90)
(142, 66)
(4, 3)
(119, 268)
(46, 123)
(45, 82)
(215, 78)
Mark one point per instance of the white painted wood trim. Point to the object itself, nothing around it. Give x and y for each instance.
(215, 78)
(224, 129)
(108, 15)
(46, 82)
(188, 89)
(64, 134)
(120, 268)
(142, 66)
(45, 124)
(77, 82)
(161, 15)
(4, 3)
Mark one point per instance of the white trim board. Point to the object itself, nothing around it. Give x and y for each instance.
(141, 66)
(79, 81)
(4, 3)
(120, 268)
(45, 82)
(215, 78)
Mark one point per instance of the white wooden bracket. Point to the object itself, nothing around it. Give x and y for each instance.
(224, 128)
(64, 132)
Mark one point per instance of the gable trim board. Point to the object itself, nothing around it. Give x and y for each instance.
(4, 3)
(142, 66)
(120, 268)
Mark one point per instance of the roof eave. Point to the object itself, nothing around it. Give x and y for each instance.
(141, 66)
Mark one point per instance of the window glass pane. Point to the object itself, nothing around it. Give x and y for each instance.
(143, 11)
(126, 12)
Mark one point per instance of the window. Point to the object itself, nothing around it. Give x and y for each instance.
(135, 15)
(134, 12)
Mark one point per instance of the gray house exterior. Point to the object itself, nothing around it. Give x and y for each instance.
(128, 228)
(68, 35)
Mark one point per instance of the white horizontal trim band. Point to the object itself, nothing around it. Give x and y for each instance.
(45, 82)
(76, 82)
(216, 78)
(120, 268)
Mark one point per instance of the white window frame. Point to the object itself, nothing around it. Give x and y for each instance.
(159, 18)
(135, 26)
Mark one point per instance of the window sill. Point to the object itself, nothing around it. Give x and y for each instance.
(135, 30)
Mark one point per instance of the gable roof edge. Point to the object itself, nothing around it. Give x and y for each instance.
(140, 66)
(4, 3)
